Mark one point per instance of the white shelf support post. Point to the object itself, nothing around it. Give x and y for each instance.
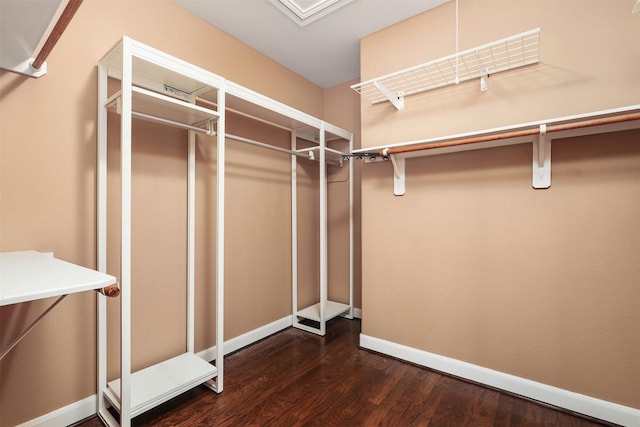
(191, 221)
(542, 159)
(351, 227)
(220, 240)
(398, 173)
(324, 253)
(294, 229)
(125, 239)
(397, 99)
(102, 243)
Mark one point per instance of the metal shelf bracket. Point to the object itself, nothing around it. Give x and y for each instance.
(397, 99)
(398, 173)
(483, 80)
(542, 159)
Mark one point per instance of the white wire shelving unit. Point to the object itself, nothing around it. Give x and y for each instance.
(320, 135)
(477, 63)
(156, 87)
(160, 88)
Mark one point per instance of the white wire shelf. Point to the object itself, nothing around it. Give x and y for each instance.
(155, 107)
(332, 309)
(158, 383)
(501, 55)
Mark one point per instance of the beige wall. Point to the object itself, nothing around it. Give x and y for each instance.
(48, 198)
(474, 264)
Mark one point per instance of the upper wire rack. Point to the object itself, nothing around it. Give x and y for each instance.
(502, 55)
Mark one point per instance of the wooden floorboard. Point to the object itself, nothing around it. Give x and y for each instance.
(295, 378)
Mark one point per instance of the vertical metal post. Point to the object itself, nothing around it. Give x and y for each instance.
(125, 274)
(351, 227)
(191, 208)
(220, 239)
(102, 234)
(323, 230)
(294, 230)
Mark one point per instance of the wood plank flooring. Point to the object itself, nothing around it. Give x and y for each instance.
(295, 378)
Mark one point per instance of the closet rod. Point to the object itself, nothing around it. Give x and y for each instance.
(156, 119)
(243, 114)
(267, 146)
(513, 134)
(68, 12)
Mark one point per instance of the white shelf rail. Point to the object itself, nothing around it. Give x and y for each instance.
(477, 63)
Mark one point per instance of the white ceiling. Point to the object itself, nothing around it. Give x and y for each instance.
(325, 49)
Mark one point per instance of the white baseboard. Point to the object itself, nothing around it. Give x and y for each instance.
(597, 408)
(248, 338)
(66, 415)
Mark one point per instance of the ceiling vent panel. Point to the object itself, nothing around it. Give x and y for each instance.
(304, 12)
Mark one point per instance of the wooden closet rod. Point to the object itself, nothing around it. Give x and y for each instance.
(68, 12)
(514, 134)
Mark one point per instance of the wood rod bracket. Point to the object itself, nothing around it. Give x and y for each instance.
(397, 99)
(398, 173)
(541, 174)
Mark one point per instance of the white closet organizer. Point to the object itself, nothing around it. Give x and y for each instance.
(157, 87)
(160, 88)
(539, 134)
(321, 135)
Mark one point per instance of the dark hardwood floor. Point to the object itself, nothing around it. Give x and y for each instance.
(295, 378)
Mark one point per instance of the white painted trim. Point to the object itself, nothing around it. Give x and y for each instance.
(66, 415)
(248, 338)
(576, 402)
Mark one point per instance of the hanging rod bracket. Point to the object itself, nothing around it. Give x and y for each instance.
(541, 175)
(398, 172)
(484, 76)
(12, 62)
(397, 99)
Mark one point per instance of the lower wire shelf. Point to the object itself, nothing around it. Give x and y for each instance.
(332, 309)
(159, 383)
